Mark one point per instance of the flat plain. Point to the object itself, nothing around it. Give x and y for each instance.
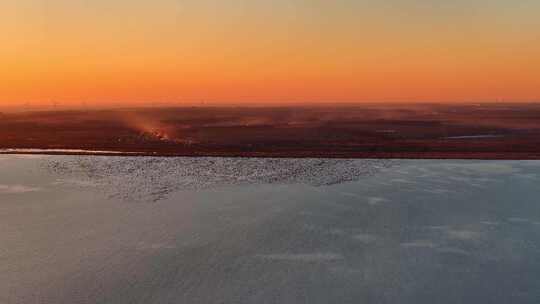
(443, 131)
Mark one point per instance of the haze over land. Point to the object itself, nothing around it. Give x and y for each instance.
(387, 131)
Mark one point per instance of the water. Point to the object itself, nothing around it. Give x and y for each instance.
(89, 229)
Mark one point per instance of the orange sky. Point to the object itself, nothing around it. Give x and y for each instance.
(106, 52)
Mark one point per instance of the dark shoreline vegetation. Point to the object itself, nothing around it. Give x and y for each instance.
(433, 156)
(419, 131)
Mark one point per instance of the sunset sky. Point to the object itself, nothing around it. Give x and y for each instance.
(105, 52)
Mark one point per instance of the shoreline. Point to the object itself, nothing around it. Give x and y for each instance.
(289, 154)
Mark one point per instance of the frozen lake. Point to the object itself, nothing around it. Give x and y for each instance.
(95, 229)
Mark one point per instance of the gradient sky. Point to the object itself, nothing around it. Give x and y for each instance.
(133, 51)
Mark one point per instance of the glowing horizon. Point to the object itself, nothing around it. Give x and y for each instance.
(297, 51)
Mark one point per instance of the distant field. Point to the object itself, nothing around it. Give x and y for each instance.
(494, 131)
